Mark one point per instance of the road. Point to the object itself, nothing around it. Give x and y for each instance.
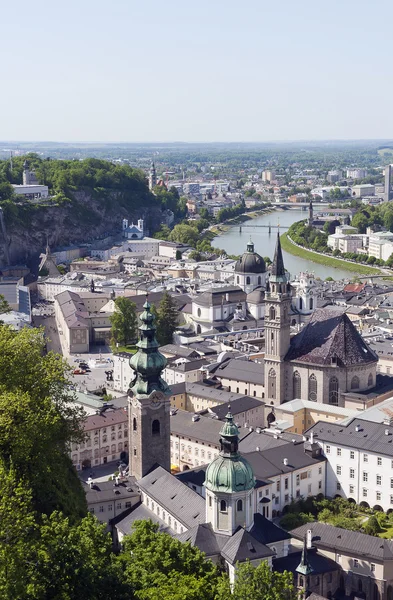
(51, 333)
(99, 472)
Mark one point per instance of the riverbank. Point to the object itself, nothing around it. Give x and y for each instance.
(328, 261)
(246, 216)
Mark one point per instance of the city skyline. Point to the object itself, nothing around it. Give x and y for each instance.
(207, 74)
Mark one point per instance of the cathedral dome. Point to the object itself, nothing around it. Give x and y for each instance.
(229, 472)
(250, 262)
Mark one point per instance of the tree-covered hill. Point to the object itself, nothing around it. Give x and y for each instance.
(88, 199)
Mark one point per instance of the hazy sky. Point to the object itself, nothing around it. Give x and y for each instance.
(181, 70)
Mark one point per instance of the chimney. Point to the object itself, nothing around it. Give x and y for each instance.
(285, 461)
(309, 539)
(357, 428)
(312, 438)
(387, 432)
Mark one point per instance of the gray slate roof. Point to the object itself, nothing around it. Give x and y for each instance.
(139, 512)
(203, 429)
(348, 542)
(318, 562)
(241, 370)
(373, 437)
(242, 546)
(238, 405)
(328, 336)
(205, 539)
(204, 391)
(177, 499)
(108, 490)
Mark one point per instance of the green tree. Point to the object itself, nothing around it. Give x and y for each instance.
(38, 421)
(372, 527)
(124, 321)
(184, 234)
(167, 319)
(258, 583)
(155, 566)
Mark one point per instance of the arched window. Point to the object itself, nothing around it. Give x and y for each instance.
(155, 427)
(333, 391)
(238, 279)
(259, 280)
(248, 281)
(239, 505)
(370, 381)
(271, 383)
(199, 312)
(312, 388)
(134, 424)
(198, 329)
(355, 383)
(223, 506)
(297, 385)
(311, 303)
(272, 313)
(300, 303)
(301, 582)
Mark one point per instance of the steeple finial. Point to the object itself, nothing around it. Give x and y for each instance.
(278, 269)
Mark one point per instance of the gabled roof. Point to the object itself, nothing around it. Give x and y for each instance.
(330, 336)
(241, 370)
(347, 542)
(205, 539)
(242, 545)
(177, 499)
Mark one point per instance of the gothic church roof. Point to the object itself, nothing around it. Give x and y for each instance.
(330, 338)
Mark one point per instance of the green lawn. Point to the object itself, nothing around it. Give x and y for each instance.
(328, 261)
(130, 348)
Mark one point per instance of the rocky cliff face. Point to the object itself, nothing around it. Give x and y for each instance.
(83, 219)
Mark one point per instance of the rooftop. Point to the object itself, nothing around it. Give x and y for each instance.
(358, 433)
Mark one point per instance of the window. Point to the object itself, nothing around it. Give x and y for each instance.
(372, 566)
(379, 496)
(333, 391)
(312, 388)
(309, 488)
(327, 450)
(365, 457)
(128, 504)
(338, 470)
(118, 505)
(338, 451)
(338, 486)
(240, 505)
(210, 501)
(297, 493)
(247, 281)
(134, 424)
(101, 509)
(319, 485)
(110, 507)
(223, 506)
(364, 493)
(286, 499)
(286, 483)
(319, 470)
(379, 461)
(297, 385)
(352, 473)
(365, 477)
(134, 451)
(277, 486)
(297, 479)
(272, 313)
(351, 489)
(355, 383)
(271, 383)
(155, 427)
(370, 381)
(91, 510)
(356, 563)
(379, 480)
(338, 558)
(276, 500)
(352, 454)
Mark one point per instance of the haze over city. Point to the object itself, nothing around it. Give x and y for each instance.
(221, 71)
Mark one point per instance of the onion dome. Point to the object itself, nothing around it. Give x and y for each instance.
(148, 363)
(250, 262)
(229, 472)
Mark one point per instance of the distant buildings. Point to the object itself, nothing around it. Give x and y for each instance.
(356, 173)
(388, 177)
(30, 188)
(334, 176)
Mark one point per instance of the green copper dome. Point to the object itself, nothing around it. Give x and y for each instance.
(229, 472)
(148, 363)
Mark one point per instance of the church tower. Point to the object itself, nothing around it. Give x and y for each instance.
(229, 484)
(152, 177)
(149, 403)
(26, 173)
(310, 214)
(277, 329)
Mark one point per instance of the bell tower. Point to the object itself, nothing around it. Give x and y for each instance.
(277, 329)
(149, 403)
(152, 177)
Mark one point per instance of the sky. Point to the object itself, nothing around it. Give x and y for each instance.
(212, 70)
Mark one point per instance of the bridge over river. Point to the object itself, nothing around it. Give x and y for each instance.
(269, 227)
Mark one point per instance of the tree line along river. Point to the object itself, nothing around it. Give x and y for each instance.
(235, 241)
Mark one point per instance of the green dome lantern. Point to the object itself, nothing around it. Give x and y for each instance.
(229, 472)
(148, 363)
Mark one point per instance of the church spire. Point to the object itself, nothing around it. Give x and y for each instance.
(278, 269)
(304, 567)
(148, 363)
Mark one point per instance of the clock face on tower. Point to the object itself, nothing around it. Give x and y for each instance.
(156, 398)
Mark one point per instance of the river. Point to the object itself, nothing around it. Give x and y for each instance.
(234, 242)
